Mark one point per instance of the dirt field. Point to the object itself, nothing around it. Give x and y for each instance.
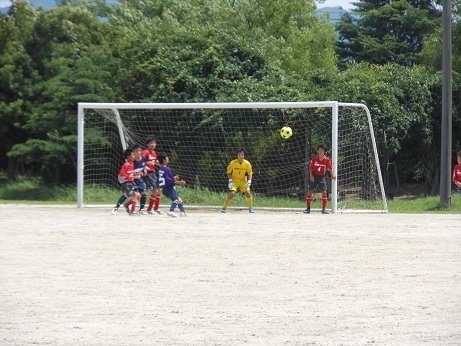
(73, 276)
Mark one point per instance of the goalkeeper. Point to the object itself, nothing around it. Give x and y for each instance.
(239, 173)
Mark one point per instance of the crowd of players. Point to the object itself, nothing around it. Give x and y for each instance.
(145, 170)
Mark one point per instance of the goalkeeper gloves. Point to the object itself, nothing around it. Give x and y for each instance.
(230, 185)
(248, 183)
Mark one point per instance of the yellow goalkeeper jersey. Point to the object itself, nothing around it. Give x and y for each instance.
(238, 170)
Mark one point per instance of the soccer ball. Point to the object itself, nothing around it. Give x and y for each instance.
(286, 132)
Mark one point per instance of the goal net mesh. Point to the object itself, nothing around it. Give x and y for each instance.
(201, 142)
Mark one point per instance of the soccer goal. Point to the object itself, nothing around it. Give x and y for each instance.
(201, 139)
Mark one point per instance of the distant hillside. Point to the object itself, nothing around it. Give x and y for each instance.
(47, 4)
(335, 12)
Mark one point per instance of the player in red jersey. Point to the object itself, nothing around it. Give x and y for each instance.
(151, 178)
(126, 177)
(318, 168)
(456, 178)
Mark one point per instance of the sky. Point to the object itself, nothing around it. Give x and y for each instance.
(346, 4)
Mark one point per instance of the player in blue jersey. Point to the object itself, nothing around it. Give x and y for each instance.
(168, 182)
(141, 170)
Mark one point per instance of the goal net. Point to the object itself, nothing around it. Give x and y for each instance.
(202, 138)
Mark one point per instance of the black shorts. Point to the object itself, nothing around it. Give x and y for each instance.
(319, 181)
(151, 180)
(129, 188)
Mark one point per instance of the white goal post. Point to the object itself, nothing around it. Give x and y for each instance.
(201, 139)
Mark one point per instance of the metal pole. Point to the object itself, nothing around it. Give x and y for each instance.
(80, 148)
(445, 158)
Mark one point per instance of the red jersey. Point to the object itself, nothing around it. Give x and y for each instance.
(319, 167)
(126, 174)
(151, 158)
(456, 173)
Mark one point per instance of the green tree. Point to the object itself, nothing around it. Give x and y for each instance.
(400, 100)
(67, 57)
(431, 58)
(389, 31)
(184, 51)
(18, 78)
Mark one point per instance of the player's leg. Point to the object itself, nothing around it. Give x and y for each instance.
(248, 198)
(323, 188)
(143, 196)
(228, 199)
(172, 194)
(181, 206)
(119, 203)
(131, 206)
(156, 193)
(142, 203)
(128, 190)
(310, 193)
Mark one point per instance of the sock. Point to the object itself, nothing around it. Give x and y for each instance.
(249, 202)
(156, 202)
(151, 202)
(133, 205)
(120, 201)
(173, 205)
(324, 202)
(308, 201)
(143, 202)
(181, 207)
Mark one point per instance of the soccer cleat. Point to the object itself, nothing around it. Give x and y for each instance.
(251, 210)
(325, 212)
(150, 212)
(307, 210)
(114, 211)
(172, 213)
(223, 210)
(157, 211)
(143, 212)
(127, 208)
(183, 213)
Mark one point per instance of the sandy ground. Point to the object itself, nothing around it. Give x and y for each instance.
(73, 276)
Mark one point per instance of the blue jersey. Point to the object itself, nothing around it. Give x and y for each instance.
(165, 177)
(139, 166)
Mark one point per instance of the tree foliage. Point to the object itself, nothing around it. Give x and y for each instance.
(390, 31)
(61, 53)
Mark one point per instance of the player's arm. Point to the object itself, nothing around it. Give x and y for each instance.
(178, 181)
(126, 174)
(309, 168)
(329, 168)
(331, 173)
(457, 183)
(249, 174)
